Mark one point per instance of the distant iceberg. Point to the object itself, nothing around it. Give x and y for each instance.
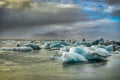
(17, 49)
(55, 45)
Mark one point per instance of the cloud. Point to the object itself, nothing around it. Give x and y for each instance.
(53, 20)
(58, 29)
(58, 34)
(116, 13)
(76, 30)
(42, 14)
(14, 20)
(112, 1)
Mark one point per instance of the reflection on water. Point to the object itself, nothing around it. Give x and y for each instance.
(36, 65)
(94, 64)
(108, 70)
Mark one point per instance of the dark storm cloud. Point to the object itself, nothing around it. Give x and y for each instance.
(51, 20)
(115, 6)
(112, 1)
(44, 14)
(116, 13)
(41, 16)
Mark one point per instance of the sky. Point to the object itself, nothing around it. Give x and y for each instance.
(53, 19)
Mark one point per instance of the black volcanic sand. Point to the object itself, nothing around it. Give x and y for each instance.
(37, 66)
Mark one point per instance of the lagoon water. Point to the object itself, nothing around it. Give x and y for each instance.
(37, 66)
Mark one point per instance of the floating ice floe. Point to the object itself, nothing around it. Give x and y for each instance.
(32, 45)
(17, 49)
(108, 48)
(55, 45)
(64, 49)
(96, 42)
(102, 52)
(82, 43)
(72, 57)
(46, 45)
(83, 53)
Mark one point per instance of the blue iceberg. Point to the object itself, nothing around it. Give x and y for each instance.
(83, 53)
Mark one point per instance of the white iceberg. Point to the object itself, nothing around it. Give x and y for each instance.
(108, 48)
(17, 49)
(32, 45)
(83, 53)
(102, 52)
(73, 57)
(55, 45)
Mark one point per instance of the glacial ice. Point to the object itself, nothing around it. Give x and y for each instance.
(17, 49)
(32, 45)
(102, 52)
(57, 45)
(108, 48)
(83, 53)
(73, 57)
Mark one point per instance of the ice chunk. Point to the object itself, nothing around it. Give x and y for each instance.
(46, 45)
(57, 45)
(73, 57)
(102, 52)
(17, 49)
(22, 49)
(64, 49)
(34, 46)
(89, 53)
(108, 48)
(76, 50)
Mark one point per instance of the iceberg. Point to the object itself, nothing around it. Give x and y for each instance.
(32, 45)
(83, 53)
(102, 52)
(108, 48)
(17, 49)
(82, 43)
(73, 57)
(46, 45)
(55, 45)
(64, 49)
(96, 42)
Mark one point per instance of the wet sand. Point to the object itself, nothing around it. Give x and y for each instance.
(37, 66)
